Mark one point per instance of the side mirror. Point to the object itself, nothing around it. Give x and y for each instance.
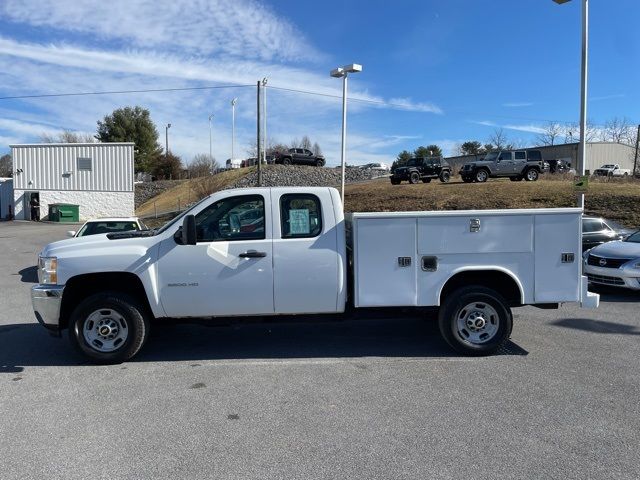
(189, 230)
(71, 233)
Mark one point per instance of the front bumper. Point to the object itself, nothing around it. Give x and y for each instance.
(616, 277)
(46, 301)
(400, 176)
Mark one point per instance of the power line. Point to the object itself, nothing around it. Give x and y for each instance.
(115, 92)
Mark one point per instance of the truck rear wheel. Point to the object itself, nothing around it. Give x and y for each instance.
(108, 327)
(445, 176)
(531, 175)
(319, 163)
(286, 161)
(482, 175)
(475, 320)
(414, 177)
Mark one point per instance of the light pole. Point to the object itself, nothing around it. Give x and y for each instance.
(343, 72)
(582, 150)
(166, 139)
(233, 126)
(210, 148)
(264, 134)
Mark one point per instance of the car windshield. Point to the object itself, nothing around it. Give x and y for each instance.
(413, 162)
(490, 156)
(633, 238)
(95, 228)
(608, 166)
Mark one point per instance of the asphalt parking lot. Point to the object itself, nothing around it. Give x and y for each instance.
(374, 398)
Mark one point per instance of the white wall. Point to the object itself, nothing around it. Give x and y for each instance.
(92, 204)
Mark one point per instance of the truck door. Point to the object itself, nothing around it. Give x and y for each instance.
(305, 259)
(504, 164)
(229, 271)
(520, 161)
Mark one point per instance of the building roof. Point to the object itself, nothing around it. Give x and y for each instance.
(93, 144)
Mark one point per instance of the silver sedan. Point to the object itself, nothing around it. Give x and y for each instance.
(615, 263)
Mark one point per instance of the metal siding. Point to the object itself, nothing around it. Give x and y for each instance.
(45, 166)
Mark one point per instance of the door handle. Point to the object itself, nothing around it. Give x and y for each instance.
(253, 254)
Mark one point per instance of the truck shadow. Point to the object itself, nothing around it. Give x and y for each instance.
(25, 345)
(597, 326)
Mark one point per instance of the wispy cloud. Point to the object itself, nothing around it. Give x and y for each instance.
(606, 97)
(529, 128)
(236, 28)
(517, 104)
(408, 104)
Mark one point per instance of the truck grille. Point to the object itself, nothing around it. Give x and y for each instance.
(605, 280)
(608, 262)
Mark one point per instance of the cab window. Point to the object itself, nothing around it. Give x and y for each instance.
(521, 155)
(232, 219)
(300, 215)
(506, 156)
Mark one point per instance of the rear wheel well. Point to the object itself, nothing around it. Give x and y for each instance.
(82, 286)
(501, 282)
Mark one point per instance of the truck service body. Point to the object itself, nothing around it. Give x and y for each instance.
(291, 251)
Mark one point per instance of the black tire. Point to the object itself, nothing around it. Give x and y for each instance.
(455, 314)
(319, 163)
(414, 177)
(482, 175)
(109, 304)
(426, 180)
(395, 182)
(445, 176)
(531, 175)
(286, 161)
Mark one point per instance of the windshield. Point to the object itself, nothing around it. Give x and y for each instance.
(633, 238)
(608, 166)
(490, 156)
(412, 163)
(179, 217)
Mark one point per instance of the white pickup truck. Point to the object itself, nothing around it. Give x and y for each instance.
(612, 170)
(291, 251)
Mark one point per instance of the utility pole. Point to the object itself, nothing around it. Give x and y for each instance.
(258, 143)
(210, 149)
(264, 133)
(233, 126)
(635, 161)
(166, 139)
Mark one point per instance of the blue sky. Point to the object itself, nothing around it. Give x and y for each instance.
(434, 71)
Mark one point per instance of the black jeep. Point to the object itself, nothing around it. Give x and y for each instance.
(422, 168)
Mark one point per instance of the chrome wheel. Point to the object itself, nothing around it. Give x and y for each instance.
(477, 323)
(532, 175)
(105, 330)
(481, 176)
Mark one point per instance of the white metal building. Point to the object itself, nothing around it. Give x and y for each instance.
(96, 176)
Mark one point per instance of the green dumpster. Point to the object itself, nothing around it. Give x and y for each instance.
(64, 212)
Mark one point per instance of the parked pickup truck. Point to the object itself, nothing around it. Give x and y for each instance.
(612, 170)
(299, 156)
(290, 251)
(517, 165)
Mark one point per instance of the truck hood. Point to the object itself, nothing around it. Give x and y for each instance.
(617, 249)
(96, 253)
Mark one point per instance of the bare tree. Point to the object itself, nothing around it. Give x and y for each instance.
(618, 130)
(67, 136)
(592, 133)
(295, 143)
(498, 138)
(317, 151)
(202, 165)
(6, 165)
(551, 134)
(306, 143)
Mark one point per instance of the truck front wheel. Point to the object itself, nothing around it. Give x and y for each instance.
(482, 175)
(108, 327)
(445, 176)
(475, 320)
(414, 177)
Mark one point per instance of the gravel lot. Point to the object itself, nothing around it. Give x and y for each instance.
(374, 398)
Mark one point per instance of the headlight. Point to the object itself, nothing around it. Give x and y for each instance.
(48, 270)
(637, 265)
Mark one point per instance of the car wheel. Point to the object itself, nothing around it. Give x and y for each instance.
(286, 161)
(426, 180)
(319, 163)
(414, 177)
(109, 327)
(482, 175)
(475, 320)
(445, 176)
(531, 175)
